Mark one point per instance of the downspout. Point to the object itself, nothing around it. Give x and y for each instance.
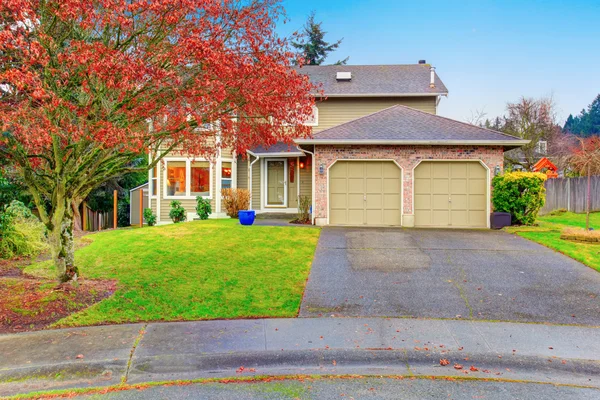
(250, 185)
(312, 200)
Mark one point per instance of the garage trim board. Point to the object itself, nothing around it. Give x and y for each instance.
(400, 192)
(487, 189)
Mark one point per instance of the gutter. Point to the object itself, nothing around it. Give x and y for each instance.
(250, 171)
(358, 95)
(312, 200)
(415, 142)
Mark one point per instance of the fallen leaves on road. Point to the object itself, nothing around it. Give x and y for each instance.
(458, 366)
(444, 362)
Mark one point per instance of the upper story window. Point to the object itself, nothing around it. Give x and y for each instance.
(313, 120)
(541, 147)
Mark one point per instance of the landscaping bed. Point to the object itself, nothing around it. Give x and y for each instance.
(548, 231)
(27, 303)
(214, 269)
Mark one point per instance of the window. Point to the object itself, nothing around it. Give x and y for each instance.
(176, 178)
(313, 120)
(226, 175)
(200, 178)
(154, 181)
(542, 147)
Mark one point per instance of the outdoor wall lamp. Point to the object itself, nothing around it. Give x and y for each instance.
(322, 169)
(497, 170)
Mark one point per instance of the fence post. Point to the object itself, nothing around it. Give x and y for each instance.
(84, 227)
(115, 210)
(141, 208)
(568, 194)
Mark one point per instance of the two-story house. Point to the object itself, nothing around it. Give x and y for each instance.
(379, 155)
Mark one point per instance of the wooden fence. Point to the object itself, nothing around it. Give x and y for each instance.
(95, 220)
(570, 194)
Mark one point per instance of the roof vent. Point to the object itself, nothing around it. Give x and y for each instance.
(432, 78)
(343, 76)
(422, 62)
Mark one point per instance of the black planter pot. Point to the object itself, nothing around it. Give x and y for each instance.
(499, 220)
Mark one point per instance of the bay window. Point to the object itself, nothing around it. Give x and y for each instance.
(226, 175)
(176, 178)
(200, 183)
(187, 178)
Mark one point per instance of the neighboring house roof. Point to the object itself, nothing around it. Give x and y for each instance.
(137, 187)
(405, 125)
(375, 80)
(278, 148)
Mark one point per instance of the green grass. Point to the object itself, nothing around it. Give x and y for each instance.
(548, 233)
(196, 270)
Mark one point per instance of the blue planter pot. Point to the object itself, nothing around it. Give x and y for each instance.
(247, 217)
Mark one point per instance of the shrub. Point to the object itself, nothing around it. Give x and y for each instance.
(234, 200)
(203, 208)
(149, 217)
(303, 209)
(21, 233)
(177, 212)
(522, 194)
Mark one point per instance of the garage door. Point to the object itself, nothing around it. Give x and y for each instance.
(450, 194)
(365, 193)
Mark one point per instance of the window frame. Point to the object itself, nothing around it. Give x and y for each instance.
(220, 177)
(188, 178)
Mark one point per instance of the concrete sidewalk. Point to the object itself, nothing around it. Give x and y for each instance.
(108, 355)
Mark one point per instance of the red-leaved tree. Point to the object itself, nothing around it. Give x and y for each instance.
(88, 85)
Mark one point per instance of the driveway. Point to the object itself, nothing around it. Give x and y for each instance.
(435, 273)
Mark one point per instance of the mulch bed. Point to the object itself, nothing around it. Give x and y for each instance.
(28, 303)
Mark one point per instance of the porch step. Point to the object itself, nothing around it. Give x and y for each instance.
(286, 216)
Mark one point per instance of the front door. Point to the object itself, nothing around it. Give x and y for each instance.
(276, 182)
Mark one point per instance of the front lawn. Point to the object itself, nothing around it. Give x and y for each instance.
(196, 270)
(547, 232)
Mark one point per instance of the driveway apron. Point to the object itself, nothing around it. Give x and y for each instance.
(442, 273)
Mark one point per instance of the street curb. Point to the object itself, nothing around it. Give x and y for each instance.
(378, 362)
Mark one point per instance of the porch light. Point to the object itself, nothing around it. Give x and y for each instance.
(322, 169)
(301, 164)
(497, 170)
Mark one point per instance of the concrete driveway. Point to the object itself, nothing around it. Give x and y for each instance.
(435, 273)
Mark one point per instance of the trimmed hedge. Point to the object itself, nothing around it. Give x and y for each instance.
(522, 194)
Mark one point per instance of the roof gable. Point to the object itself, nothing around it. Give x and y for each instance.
(404, 125)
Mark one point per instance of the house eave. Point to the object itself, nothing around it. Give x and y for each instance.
(504, 143)
(330, 95)
(280, 154)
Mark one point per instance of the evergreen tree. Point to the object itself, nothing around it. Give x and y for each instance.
(587, 123)
(313, 47)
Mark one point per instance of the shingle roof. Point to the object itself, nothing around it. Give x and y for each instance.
(279, 147)
(382, 80)
(405, 125)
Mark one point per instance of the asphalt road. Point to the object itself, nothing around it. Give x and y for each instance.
(365, 388)
(435, 273)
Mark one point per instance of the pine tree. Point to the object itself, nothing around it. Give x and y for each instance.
(313, 47)
(587, 123)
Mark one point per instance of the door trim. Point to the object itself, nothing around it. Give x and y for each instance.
(488, 188)
(371, 159)
(285, 183)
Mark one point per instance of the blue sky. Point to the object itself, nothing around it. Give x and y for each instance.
(486, 52)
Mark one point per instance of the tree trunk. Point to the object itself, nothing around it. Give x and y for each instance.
(77, 227)
(62, 246)
(588, 199)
